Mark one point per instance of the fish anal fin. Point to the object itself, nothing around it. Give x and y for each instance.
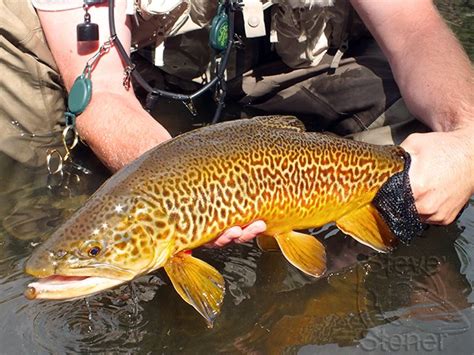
(285, 122)
(267, 243)
(198, 283)
(367, 226)
(304, 252)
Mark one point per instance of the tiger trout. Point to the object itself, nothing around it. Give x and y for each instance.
(187, 191)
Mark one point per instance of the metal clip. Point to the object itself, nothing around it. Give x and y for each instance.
(127, 76)
(190, 106)
(238, 42)
(92, 62)
(220, 91)
(58, 169)
(49, 164)
(338, 56)
(75, 140)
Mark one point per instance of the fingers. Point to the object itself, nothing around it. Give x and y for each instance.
(239, 235)
(442, 216)
(440, 174)
(251, 231)
(226, 237)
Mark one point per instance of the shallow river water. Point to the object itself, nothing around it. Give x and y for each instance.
(419, 298)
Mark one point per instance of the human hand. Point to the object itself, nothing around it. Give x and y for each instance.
(441, 173)
(239, 234)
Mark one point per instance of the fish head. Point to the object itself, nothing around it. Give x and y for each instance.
(109, 241)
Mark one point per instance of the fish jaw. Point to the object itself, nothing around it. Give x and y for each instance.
(55, 283)
(65, 276)
(58, 287)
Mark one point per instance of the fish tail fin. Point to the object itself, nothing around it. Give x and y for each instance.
(198, 283)
(304, 252)
(368, 227)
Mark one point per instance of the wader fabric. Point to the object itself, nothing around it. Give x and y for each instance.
(359, 99)
(32, 98)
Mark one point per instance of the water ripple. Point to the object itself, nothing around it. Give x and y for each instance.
(101, 323)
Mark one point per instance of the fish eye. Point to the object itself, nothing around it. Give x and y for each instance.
(94, 251)
(92, 248)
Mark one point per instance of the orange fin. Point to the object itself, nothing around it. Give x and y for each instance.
(198, 283)
(304, 252)
(267, 243)
(367, 227)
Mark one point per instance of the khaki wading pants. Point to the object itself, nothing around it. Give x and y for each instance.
(32, 98)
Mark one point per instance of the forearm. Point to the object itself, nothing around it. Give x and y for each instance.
(432, 71)
(114, 124)
(119, 132)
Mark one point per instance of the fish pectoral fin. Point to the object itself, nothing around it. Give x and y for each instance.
(267, 243)
(304, 252)
(198, 283)
(367, 226)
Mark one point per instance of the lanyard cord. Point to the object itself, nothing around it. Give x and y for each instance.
(154, 93)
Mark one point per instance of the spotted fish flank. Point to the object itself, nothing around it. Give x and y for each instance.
(185, 192)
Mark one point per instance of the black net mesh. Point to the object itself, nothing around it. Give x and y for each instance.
(396, 205)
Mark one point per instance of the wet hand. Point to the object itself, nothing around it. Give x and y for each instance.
(239, 235)
(441, 173)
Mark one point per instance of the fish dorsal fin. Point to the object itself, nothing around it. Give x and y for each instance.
(304, 252)
(285, 122)
(331, 134)
(367, 226)
(198, 283)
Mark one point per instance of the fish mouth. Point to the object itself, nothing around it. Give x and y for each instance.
(60, 287)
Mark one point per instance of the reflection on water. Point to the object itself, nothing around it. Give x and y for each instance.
(417, 298)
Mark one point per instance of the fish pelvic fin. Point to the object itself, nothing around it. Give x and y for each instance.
(304, 252)
(198, 283)
(282, 122)
(267, 243)
(367, 227)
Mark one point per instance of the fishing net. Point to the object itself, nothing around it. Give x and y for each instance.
(396, 205)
